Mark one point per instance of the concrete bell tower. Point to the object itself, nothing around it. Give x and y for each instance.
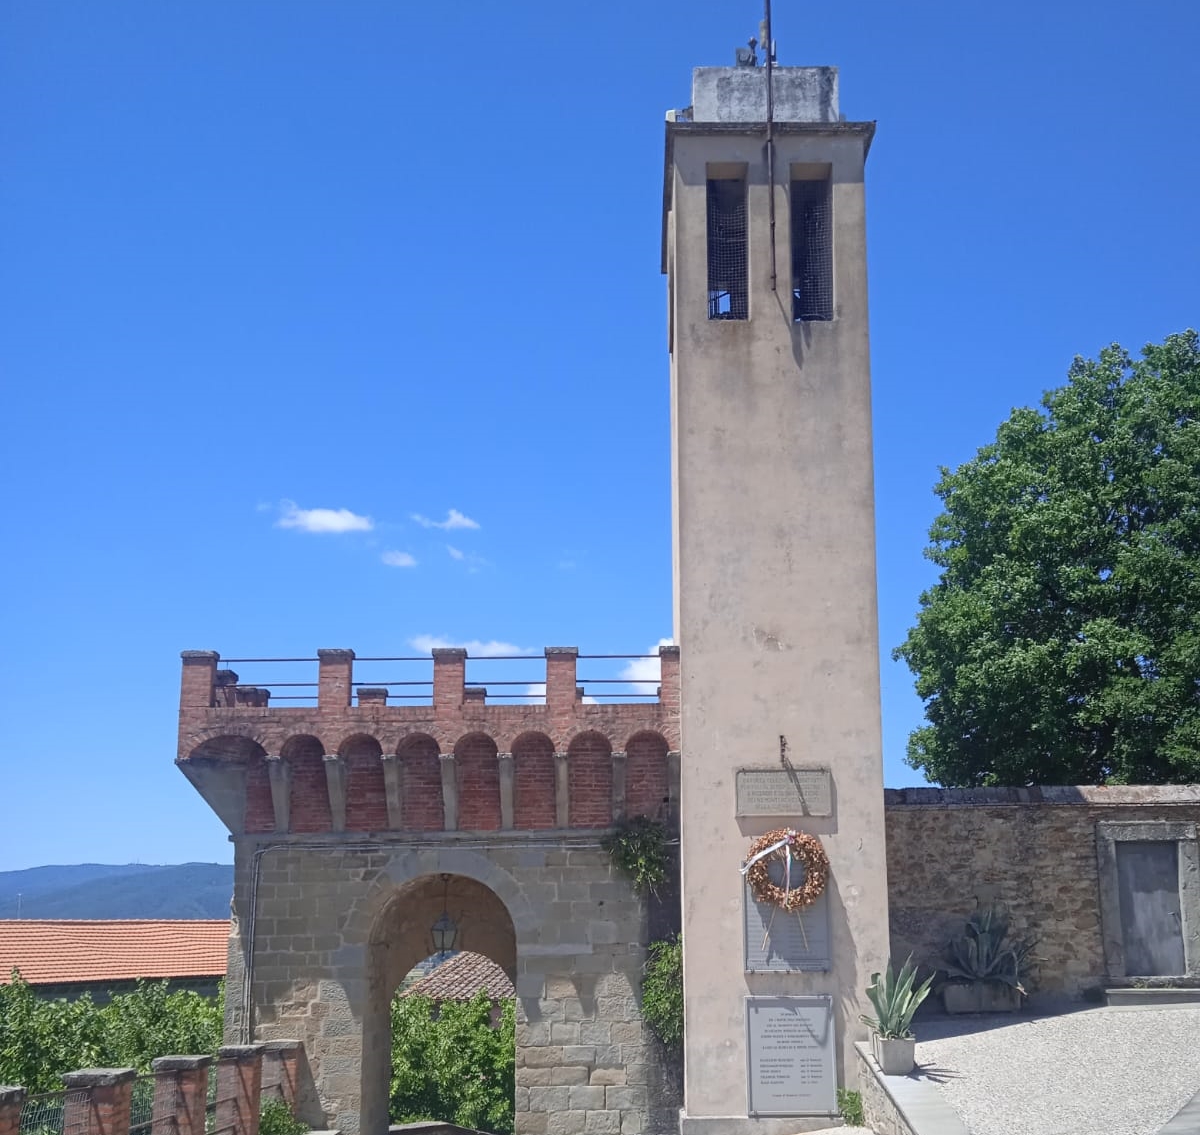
(774, 585)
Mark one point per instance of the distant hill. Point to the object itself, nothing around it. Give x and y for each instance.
(134, 890)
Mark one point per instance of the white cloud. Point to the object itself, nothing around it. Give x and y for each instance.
(454, 519)
(398, 559)
(644, 669)
(322, 520)
(474, 647)
(455, 553)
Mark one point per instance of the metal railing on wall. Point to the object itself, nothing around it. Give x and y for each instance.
(495, 673)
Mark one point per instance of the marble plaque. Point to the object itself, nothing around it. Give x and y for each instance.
(784, 792)
(790, 1052)
(777, 941)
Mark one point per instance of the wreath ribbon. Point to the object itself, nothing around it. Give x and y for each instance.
(784, 845)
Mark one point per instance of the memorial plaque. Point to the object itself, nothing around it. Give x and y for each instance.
(777, 941)
(789, 1046)
(784, 792)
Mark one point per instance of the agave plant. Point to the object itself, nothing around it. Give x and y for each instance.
(983, 954)
(896, 1000)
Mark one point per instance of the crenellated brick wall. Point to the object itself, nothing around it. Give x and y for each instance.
(355, 763)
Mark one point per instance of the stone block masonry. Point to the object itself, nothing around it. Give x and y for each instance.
(357, 824)
(327, 931)
(1033, 849)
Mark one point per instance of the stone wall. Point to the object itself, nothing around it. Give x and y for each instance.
(337, 925)
(1032, 849)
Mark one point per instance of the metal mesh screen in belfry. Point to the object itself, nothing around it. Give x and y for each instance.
(728, 292)
(812, 251)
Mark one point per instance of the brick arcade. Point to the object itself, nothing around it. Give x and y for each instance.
(356, 822)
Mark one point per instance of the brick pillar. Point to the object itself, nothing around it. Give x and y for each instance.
(449, 791)
(239, 1088)
(562, 792)
(668, 690)
(12, 1099)
(372, 695)
(561, 662)
(180, 1094)
(335, 678)
(620, 768)
(335, 785)
(279, 775)
(449, 678)
(394, 790)
(281, 1068)
(673, 773)
(98, 1101)
(506, 790)
(198, 687)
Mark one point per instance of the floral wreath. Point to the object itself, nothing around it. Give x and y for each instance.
(787, 845)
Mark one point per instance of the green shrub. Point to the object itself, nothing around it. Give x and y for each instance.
(638, 847)
(662, 991)
(276, 1118)
(850, 1107)
(450, 1063)
(40, 1039)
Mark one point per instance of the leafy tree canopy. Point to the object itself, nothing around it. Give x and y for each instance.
(41, 1039)
(1061, 644)
(451, 1061)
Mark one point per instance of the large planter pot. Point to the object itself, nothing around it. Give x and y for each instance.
(980, 997)
(895, 1056)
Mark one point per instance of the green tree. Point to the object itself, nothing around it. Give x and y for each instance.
(1061, 644)
(450, 1063)
(40, 1039)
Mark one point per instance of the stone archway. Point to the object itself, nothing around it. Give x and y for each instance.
(400, 938)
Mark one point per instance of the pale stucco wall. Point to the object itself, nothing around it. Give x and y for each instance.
(774, 589)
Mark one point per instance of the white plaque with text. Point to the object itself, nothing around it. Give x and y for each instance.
(790, 1052)
(784, 792)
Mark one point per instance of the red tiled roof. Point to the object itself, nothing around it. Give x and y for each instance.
(459, 978)
(49, 952)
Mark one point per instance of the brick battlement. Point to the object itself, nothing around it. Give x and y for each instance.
(354, 762)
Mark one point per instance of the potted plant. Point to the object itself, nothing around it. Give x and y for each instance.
(895, 1000)
(984, 968)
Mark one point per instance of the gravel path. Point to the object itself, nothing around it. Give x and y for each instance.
(1089, 1072)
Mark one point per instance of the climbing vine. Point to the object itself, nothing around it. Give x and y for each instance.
(638, 848)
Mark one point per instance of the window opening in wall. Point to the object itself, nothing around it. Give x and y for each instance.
(812, 251)
(728, 290)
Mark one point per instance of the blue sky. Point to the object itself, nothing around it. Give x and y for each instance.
(262, 258)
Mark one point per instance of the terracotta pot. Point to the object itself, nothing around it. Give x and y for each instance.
(894, 1055)
(980, 997)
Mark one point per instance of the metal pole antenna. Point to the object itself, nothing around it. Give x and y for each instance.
(769, 44)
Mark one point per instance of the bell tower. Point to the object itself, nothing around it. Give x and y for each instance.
(774, 586)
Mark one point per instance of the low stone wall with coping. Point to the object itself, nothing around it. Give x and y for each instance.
(1033, 849)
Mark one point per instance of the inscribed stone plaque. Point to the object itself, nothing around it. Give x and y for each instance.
(777, 941)
(784, 792)
(789, 1046)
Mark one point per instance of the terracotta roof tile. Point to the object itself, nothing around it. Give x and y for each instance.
(460, 977)
(49, 952)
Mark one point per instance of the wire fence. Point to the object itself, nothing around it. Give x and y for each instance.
(141, 1105)
(45, 1113)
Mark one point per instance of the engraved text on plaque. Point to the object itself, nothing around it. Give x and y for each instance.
(784, 792)
(790, 1052)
